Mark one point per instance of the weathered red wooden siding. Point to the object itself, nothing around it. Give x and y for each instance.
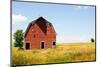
(48, 38)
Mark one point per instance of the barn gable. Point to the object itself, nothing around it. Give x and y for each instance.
(42, 23)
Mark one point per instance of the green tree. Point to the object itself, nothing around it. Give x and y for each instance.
(18, 38)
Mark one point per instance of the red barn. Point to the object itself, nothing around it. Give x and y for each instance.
(40, 33)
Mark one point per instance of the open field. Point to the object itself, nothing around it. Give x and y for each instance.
(63, 53)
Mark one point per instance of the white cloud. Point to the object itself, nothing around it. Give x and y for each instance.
(18, 18)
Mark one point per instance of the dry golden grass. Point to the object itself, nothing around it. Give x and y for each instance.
(71, 52)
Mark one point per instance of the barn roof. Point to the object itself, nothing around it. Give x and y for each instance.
(42, 23)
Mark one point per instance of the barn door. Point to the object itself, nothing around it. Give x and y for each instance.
(54, 44)
(27, 46)
(42, 45)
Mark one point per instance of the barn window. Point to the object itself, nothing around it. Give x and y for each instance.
(27, 46)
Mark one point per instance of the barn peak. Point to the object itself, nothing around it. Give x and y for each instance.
(41, 18)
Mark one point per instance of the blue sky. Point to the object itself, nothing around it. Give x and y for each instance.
(73, 23)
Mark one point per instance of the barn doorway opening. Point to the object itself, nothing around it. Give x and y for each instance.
(27, 46)
(54, 44)
(42, 45)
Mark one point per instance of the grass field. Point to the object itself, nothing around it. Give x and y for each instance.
(63, 53)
